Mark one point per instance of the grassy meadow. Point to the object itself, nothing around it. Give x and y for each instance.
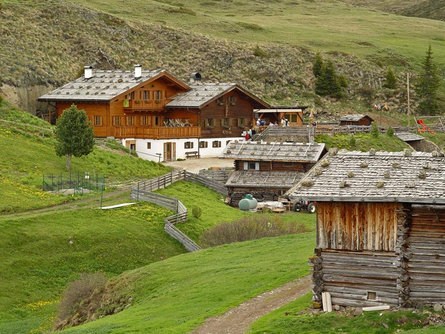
(363, 142)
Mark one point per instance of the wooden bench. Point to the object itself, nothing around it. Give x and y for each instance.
(192, 154)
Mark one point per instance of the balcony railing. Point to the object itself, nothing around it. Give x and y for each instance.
(156, 132)
(144, 105)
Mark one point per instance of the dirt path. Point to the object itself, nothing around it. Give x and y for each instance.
(238, 319)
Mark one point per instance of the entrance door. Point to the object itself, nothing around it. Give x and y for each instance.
(169, 151)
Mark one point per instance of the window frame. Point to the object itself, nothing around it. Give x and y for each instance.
(188, 145)
(95, 120)
(216, 144)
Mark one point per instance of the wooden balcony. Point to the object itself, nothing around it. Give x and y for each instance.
(144, 105)
(156, 132)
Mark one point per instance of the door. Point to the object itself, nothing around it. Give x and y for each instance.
(169, 151)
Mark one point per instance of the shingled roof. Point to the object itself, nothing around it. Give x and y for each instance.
(273, 151)
(103, 86)
(353, 117)
(415, 177)
(204, 93)
(263, 179)
(407, 136)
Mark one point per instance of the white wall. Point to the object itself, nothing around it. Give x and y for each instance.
(157, 146)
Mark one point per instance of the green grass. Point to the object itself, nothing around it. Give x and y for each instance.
(176, 295)
(37, 261)
(292, 318)
(363, 142)
(27, 155)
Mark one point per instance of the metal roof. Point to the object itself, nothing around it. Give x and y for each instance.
(415, 177)
(263, 179)
(103, 86)
(273, 151)
(353, 117)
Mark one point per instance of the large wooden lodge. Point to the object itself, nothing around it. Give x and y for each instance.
(158, 115)
(380, 228)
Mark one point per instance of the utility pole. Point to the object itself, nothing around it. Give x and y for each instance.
(407, 94)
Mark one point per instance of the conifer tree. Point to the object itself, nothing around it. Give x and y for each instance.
(327, 83)
(427, 86)
(390, 79)
(317, 66)
(74, 135)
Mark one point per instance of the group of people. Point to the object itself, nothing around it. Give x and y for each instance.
(249, 134)
(260, 122)
(379, 107)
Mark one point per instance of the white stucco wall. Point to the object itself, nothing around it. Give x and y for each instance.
(157, 147)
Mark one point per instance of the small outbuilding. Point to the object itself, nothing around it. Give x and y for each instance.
(268, 169)
(356, 119)
(380, 227)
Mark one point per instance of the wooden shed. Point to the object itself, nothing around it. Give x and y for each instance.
(268, 169)
(380, 228)
(356, 119)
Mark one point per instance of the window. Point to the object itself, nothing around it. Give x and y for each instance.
(156, 120)
(148, 146)
(130, 120)
(158, 96)
(97, 120)
(225, 122)
(131, 97)
(144, 120)
(116, 121)
(216, 143)
(188, 145)
(209, 122)
(251, 165)
(241, 122)
(145, 95)
(232, 100)
(203, 144)
(220, 101)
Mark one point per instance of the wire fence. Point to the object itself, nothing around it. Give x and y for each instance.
(76, 181)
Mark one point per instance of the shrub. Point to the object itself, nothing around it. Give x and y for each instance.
(390, 79)
(79, 298)
(375, 130)
(250, 228)
(390, 132)
(197, 212)
(352, 142)
(258, 52)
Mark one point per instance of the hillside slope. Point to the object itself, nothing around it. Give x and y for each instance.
(269, 51)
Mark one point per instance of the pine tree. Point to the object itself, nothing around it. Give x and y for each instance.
(327, 83)
(390, 79)
(427, 86)
(74, 135)
(317, 66)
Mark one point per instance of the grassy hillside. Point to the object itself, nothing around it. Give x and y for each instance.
(27, 148)
(37, 260)
(363, 142)
(176, 295)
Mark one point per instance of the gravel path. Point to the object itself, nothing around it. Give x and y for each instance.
(238, 319)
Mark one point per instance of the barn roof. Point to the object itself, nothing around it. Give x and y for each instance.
(380, 177)
(204, 93)
(263, 179)
(353, 117)
(273, 151)
(103, 86)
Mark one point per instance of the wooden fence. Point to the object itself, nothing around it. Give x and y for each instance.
(144, 192)
(352, 129)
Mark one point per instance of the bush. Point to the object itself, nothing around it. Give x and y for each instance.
(390, 132)
(250, 228)
(197, 212)
(352, 142)
(375, 130)
(80, 298)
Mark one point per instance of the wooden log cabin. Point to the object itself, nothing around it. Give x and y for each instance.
(157, 115)
(267, 170)
(380, 228)
(356, 119)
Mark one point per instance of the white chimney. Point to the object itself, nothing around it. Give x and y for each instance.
(137, 71)
(88, 72)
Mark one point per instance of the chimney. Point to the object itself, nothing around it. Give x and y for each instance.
(88, 72)
(137, 71)
(195, 76)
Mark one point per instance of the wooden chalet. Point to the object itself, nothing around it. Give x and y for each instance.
(158, 115)
(356, 119)
(268, 169)
(380, 228)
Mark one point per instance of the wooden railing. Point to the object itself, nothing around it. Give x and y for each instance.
(146, 105)
(351, 129)
(163, 132)
(143, 192)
